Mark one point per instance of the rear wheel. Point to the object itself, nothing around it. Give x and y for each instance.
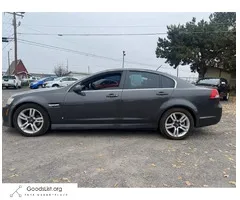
(31, 120)
(226, 97)
(176, 123)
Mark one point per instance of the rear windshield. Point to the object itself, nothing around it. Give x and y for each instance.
(9, 77)
(210, 81)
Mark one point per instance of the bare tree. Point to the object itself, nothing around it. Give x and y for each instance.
(61, 70)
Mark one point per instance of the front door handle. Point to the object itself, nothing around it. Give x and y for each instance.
(111, 95)
(161, 93)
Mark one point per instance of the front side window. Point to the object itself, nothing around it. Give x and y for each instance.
(140, 80)
(107, 81)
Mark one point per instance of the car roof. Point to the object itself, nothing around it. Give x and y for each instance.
(137, 69)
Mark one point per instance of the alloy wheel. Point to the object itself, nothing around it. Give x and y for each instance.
(177, 124)
(30, 120)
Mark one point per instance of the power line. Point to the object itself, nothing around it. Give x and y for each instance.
(85, 53)
(92, 34)
(104, 26)
(118, 34)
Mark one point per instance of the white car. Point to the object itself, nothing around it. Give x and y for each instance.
(61, 82)
(11, 81)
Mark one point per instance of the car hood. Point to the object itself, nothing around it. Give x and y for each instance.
(50, 82)
(36, 82)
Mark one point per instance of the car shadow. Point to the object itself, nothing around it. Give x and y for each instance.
(199, 133)
(104, 133)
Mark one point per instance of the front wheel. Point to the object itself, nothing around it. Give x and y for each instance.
(31, 120)
(176, 123)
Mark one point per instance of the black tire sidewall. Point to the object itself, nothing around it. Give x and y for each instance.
(165, 116)
(46, 119)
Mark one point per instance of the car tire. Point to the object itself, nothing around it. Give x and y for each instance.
(174, 129)
(55, 85)
(16, 86)
(226, 97)
(40, 113)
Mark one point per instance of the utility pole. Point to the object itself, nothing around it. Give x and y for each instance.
(15, 39)
(177, 70)
(9, 62)
(88, 70)
(15, 33)
(124, 54)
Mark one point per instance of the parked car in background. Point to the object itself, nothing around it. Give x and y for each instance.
(40, 83)
(221, 84)
(11, 81)
(138, 99)
(60, 82)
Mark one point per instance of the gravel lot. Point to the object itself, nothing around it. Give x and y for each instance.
(123, 158)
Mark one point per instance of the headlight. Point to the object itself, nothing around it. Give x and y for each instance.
(9, 101)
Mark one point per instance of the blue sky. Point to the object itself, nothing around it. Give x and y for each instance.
(139, 49)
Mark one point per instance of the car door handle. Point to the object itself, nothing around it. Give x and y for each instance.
(112, 95)
(161, 93)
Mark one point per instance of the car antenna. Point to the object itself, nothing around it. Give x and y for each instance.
(158, 67)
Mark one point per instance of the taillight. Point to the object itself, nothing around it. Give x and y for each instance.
(214, 94)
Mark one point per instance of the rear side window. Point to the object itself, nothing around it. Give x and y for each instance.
(141, 80)
(167, 82)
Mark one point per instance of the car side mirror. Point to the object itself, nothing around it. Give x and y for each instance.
(78, 89)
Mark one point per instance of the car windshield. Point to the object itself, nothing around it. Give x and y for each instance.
(209, 81)
(9, 77)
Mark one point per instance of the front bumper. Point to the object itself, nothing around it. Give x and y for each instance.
(8, 85)
(6, 116)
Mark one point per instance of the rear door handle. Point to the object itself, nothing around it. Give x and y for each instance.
(111, 95)
(161, 93)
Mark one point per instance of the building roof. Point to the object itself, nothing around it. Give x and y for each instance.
(12, 69)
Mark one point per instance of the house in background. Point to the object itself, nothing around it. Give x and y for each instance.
(19, 71)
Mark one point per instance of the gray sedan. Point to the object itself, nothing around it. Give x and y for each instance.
(117, 99)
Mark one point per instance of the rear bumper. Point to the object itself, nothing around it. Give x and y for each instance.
(6, 116)
(211, 119)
